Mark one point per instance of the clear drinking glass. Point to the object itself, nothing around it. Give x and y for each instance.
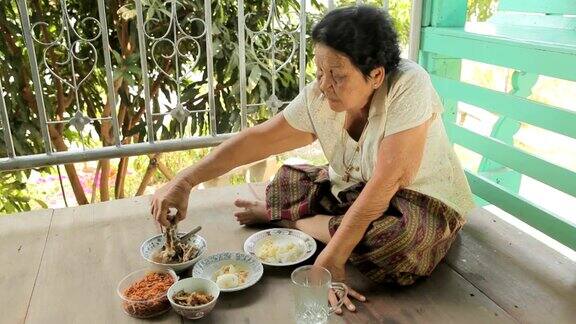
(311, 285)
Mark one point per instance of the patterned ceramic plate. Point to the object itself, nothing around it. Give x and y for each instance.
(208, 267)
(280, 247)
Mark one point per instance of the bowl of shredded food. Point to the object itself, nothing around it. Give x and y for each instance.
(193, 298)
(168, 251)
(143, 293)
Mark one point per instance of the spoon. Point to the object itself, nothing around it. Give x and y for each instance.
(187, 236)
(171, 214)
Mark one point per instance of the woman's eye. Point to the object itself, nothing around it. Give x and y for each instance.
(339, 78)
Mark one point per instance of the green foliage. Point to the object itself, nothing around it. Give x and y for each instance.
(13, 194)
(237, 179)
(481, 10)
(61, 104)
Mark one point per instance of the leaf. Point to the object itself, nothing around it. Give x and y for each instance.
(41, 203)
(133, 59)
(140, 127)
(150, 13)
(166, 12)
(232, 65)
(117, 57)
(254, 77)
(135, 69)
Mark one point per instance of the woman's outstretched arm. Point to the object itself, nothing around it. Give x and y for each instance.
(271, 137)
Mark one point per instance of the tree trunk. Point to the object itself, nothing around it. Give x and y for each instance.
(152, 166)
(165, 170)
(60, 146)
(104, 184)
(94, 182)
(120, 177)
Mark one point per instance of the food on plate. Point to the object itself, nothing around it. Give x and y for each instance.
(227, 281)
(174, 250)
(195, 298)
(147, 296)
(274, 252)
(230, 276)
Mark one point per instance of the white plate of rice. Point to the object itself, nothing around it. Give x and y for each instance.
(280, 247)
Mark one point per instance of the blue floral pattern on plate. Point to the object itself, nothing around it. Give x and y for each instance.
(206, 267)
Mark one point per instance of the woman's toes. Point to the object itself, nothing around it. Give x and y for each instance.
(243, 222)
(240, 214)
(243, 203)
(253, 212)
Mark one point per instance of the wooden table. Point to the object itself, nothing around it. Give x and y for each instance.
(62, 266)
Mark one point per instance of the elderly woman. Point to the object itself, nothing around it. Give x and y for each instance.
(393, 196)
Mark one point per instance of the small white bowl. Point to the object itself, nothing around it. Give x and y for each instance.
(156, 242)
(190, 285)
(207, 267)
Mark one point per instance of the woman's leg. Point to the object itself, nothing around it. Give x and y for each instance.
(315, 226)
(255, 213)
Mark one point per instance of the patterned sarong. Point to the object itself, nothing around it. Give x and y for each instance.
(405, 243)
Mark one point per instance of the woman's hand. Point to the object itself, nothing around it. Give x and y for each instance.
(338, 271)
(173, 194)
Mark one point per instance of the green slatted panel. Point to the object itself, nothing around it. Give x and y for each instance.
(559, 120)
(514, 158)
(532, 47)
(455, 42)
(558, 7)
(524, 210)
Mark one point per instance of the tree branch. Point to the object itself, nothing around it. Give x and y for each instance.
(152, 166)
(95, 181)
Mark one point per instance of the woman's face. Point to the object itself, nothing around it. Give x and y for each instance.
(342, 83)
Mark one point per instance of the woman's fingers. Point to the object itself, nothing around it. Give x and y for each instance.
(334, 302)
(181, 214)
(333, 299)
(349, 304)
(356, 295)
(153, 208)
(161, 215)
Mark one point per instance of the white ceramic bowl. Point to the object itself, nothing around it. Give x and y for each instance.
(207, 267)
(156, 242)
(190, 285)
(143, 308)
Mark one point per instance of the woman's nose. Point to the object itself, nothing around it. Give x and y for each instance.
(325, 85)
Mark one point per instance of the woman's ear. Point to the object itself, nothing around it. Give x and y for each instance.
(377, 76)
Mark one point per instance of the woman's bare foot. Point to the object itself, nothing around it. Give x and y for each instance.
(254, 212)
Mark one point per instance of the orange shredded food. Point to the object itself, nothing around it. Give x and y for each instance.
(147, 296)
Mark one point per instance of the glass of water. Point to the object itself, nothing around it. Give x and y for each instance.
(311, 285)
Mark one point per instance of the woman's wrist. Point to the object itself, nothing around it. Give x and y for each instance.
(186, 179)
(337, 253)
(344, 242)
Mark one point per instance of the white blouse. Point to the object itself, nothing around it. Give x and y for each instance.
(405, 100)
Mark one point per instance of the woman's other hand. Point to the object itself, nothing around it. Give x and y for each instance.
(338, 271)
